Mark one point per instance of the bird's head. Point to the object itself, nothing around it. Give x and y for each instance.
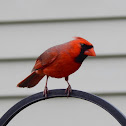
(86, 47)
(81, 49)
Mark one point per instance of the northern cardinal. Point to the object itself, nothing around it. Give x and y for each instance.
(59, 61)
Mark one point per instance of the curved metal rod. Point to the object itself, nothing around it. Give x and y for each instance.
(5, 119)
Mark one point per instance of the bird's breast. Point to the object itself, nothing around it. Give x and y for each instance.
(63, 66)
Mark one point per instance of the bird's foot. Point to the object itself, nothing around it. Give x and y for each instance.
(45, 92)
(68, 90)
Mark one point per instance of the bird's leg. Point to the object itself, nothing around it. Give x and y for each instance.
(45, 92)
(68, 90)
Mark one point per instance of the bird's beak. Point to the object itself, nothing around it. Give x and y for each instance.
(90, 52)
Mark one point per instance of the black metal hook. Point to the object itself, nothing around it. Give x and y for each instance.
(5, 119)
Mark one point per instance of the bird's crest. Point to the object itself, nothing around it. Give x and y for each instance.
(83, 40)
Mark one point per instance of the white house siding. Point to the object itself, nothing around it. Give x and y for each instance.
(29, 27)
(31, 39)
(48, 9)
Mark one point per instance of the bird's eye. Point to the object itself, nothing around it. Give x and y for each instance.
(82, 44)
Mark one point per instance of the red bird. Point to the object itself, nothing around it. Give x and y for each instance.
(59, 61)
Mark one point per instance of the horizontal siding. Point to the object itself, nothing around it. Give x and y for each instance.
(47, 9)
(95, 75)
(30, 40)
(28, 27)
(60, 109)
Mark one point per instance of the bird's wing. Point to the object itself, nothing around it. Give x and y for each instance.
(46, 58)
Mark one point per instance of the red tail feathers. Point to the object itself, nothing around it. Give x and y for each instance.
(31, 80)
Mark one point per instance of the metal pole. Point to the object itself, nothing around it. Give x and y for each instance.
(13, 111)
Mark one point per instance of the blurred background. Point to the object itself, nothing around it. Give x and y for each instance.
(29, 27)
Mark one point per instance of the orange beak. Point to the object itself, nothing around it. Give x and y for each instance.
(90, 52)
